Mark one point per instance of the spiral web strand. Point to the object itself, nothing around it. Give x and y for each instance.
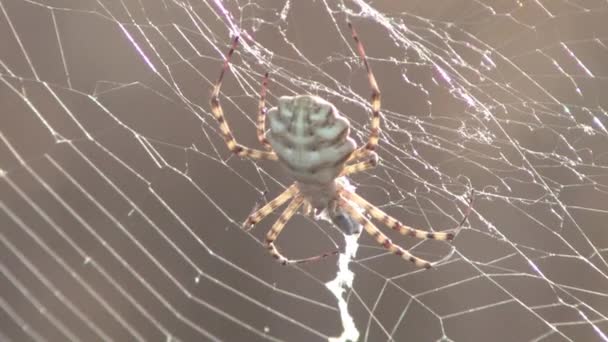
(121, 207)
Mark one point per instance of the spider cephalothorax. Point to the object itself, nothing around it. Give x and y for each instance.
(311, 139)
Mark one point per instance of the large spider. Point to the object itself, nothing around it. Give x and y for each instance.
(311, 139)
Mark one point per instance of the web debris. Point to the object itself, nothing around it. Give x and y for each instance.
(341, 285)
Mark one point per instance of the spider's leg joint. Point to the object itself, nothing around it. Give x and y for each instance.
(238, 149)
(449, 235)
(374, 160)
(248, 224)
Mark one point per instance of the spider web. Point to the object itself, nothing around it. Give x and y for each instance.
(121, 206)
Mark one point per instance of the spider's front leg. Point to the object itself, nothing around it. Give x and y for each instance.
(261, 124)
(218, 114)
(369, 163)
(374, 134)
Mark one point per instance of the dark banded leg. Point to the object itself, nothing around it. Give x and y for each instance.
(278, 227)
(394, 224)
(374, 134)
(382, 239)
(264, 211)
(369, 163)
(261, 126)
(218, 113)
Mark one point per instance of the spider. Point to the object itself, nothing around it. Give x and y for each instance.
(310, 138)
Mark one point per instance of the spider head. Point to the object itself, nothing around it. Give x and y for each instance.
(310, 137)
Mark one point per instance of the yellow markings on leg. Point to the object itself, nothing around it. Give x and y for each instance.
(371, 162)
(261, 124)
(358, 154)
(218, 114)
(278, 226)
(271, 206)
(374, 135)
(375, 98)
(392, 223)
(382, 239)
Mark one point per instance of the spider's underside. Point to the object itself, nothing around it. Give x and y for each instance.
(311, 139)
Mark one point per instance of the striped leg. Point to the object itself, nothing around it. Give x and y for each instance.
(375, 101)
(264, 211)
(392, 223)
(218, 113)
(369, 163)
(278, 227)
(382, 239)
(261, 126)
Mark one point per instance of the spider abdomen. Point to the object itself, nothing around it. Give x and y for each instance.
(310, 138)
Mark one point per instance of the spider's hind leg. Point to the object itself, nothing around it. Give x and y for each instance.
(271, 206)
(382, 239)
(396, 225)
(278, 226)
